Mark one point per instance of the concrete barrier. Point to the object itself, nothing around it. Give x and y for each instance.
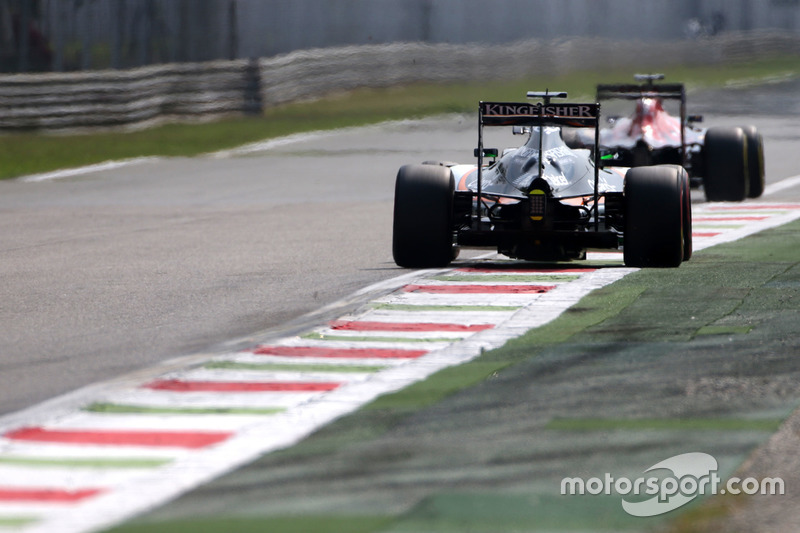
(201, 91)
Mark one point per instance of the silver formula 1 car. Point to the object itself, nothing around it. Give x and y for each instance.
(542, 201)
(727, 162)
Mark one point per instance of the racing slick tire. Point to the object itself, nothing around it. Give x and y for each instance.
(687, 214)
(755, 161)
(440, 163)
(654, 217)
(686, 184)
(423, 213)
(726, 176)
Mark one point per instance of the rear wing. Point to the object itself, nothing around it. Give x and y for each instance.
(537, 115)
(527, 114)
(633, 91)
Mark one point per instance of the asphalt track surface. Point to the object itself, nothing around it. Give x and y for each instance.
(113, 271)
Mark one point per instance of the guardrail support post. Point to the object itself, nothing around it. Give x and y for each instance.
(253, 103)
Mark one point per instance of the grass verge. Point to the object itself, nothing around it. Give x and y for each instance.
(30, 153)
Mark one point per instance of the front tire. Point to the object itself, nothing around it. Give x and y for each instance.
(654, 217)
(726, 176)
(423, 213)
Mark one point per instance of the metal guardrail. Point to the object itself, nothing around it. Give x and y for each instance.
(191, 91)
(177, 91)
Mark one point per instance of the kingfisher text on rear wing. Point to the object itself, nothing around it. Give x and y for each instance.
(509, 113)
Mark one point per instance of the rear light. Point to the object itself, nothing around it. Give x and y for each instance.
(538, 203)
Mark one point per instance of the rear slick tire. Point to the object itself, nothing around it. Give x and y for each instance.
(755, 161)
(687, 213)
(654, 217)
(423, 213)
(686, 184)
(726, 173)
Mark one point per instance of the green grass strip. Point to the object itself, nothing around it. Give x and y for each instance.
(429, 392)
(743, 212)
(267, 367)
(717, 226)
(412, 307)
(510, 277)
(115, 408)
(84, 462)
(283, 524)
(348, 338)
(670, 424)
(17, 521)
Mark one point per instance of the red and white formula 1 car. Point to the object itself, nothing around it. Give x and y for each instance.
(727, 162)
